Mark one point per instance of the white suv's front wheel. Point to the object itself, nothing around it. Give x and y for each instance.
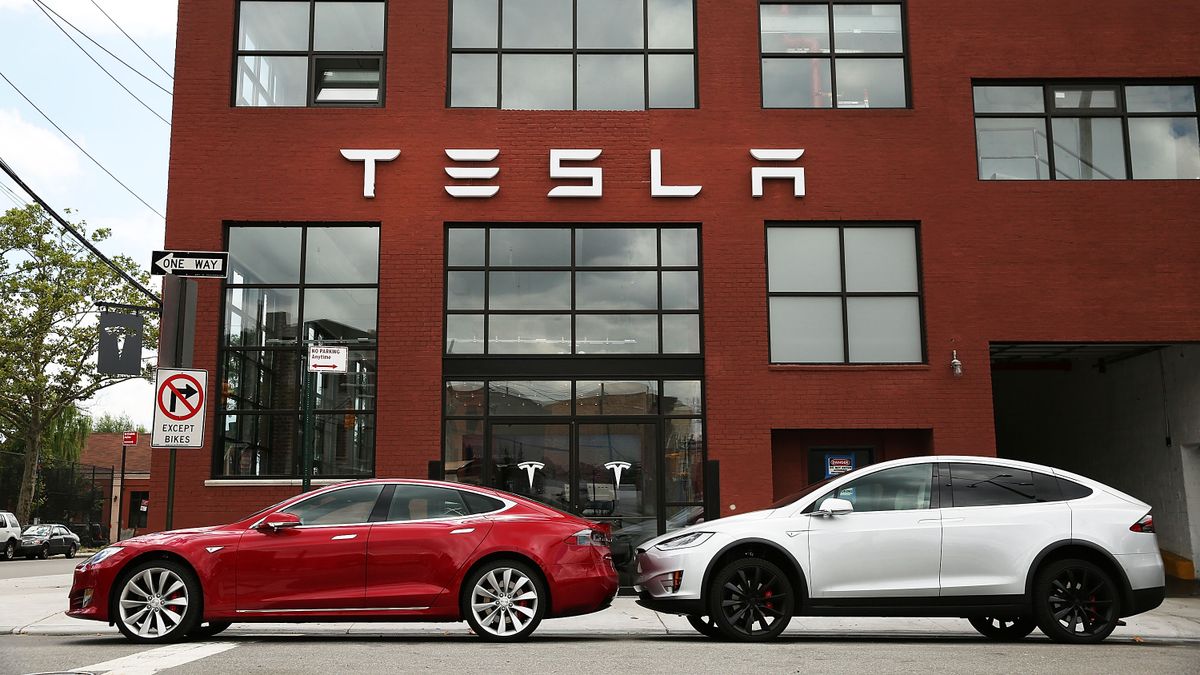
(750, 600)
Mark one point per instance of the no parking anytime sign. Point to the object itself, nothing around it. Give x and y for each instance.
(180, 397)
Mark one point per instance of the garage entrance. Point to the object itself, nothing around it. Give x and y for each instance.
(1124, 414)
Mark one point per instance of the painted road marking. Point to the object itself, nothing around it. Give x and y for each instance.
(154, 660)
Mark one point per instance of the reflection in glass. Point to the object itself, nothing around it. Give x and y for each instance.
(1012, 149)
(1166, 147)
(344, 80)
(342, 255)
(670, 24)
(609, 24)
(616, 471)
(610, 82)
(806, 330)
(617, 290)
(273, 26)
(272, 81)
(1006, 99)
(1160, 98)
(259, 445)
(1088, 148)
(616, 334)
(464, 334)
(261, 380)
(803, 259)
(529, 290)
(465, 247)
(473, 84)
(682, 397)
(465, 398)
(681, 290)
(794, 28)
(348, 27)
(672, 80)
(615, 247)
(343, 444)
(884, 330)
(530, 247)
(1087, 98)
(616, 397)
(534, 397)
(679, 517)
(353, 390)
(340, 313)
(679, 247)
(261, 317)
(264, 255)
(463, 451)
(683, 465)
(537, 24)
(796, 83)
(681, 334)
(536, 82)
(867, 29)
(881, 259)
(529, 334)
(476, 24)
(533, 460)
(464, 290)
(870, 83)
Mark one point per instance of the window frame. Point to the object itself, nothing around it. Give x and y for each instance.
(298, 347)
(843, 294)
(574, 51)
(1050, 112)
(311, 54)
(832, 56)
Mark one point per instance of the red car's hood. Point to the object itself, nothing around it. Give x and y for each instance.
(168, 537)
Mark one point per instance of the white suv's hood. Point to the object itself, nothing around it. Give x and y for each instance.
(718, 525)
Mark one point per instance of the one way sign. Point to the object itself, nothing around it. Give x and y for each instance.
(189, 263)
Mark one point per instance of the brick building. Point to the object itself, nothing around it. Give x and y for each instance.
(132, 492)
(900, 245)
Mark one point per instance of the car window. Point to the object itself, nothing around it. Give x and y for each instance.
(478, 503)
(12, 521)
(340, 507)
(901, 488)
(1072, 490)
(991, 485)
(420, 502)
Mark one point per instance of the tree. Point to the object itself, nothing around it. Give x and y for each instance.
(113, 424)
(48, 329)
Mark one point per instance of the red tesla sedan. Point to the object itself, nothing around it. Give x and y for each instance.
(376, 550)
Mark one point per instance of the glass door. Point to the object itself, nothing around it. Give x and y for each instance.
(533, 460)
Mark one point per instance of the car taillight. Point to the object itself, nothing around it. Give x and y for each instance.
(589, 537)
(1146, 524)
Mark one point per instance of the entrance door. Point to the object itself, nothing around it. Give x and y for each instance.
(533, 460)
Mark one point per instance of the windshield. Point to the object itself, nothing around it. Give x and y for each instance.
(38, 530)
(792, 498)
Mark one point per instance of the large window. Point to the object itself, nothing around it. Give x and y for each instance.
(1087, 131)
(306, 53)
(844, 294)
(847, 54)
(586, 291)
(290, 287)
(572, 54)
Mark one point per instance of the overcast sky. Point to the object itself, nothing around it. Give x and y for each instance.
(126, 138)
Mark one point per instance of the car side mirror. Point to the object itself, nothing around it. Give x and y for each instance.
(279, 521)
(835, 507)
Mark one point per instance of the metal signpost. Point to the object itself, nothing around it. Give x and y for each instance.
(128, 438)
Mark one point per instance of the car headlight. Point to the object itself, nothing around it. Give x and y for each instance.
(102, 555)
(684, 541)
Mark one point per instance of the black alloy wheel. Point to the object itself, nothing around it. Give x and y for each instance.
(1075, 601)
(1003, 628)
(208, 629)
(705, 625)
(751, 600)
(45, 552)
(10, 550)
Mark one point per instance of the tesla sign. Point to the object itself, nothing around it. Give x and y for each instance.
(478, 165)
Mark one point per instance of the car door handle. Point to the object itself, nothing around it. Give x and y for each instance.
(926, 521)
(463, 530)
(344, 536)
(953, 520)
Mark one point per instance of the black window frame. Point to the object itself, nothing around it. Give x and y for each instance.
(312, 56)
(1050, 112)
(832, 55)
(574, 51)
(298, 347)
(842, 226)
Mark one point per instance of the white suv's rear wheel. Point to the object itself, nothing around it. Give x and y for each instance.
(750, 600)
(1075, 601)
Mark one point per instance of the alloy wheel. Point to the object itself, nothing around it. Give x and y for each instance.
(10, 551)
(153, 603)
(504, 601)
(753, 600)
(1082, 602)
(71, 551)
(1003, 627)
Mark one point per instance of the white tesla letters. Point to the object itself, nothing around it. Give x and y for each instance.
(563, 166)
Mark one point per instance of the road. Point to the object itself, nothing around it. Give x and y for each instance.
(22, 568)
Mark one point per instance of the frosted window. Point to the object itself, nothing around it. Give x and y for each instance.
(803, 259)
(884, 330)
(806, 330)
(881, 259)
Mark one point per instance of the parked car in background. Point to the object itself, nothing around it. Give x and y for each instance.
(90, 534)
(47, 539)
(10, 535)
(1010, 546)
(394, 550)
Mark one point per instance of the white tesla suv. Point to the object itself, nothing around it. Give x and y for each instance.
(1008, 545)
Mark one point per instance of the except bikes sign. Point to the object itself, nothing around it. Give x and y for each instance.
(179, 403)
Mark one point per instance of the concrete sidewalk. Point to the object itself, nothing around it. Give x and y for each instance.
(36, 605)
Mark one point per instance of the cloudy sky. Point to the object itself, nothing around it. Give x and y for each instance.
(113, 127)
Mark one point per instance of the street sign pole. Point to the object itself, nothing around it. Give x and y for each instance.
(182, 359)
(120, 493)
(306, 453)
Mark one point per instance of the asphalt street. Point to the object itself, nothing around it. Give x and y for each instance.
(22, 568)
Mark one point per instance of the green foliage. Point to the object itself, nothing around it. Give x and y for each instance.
(113, 424)
(49, 333)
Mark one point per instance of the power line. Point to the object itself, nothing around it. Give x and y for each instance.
(105, 49)
(98, 64)
(82, 239)
(135, 43)
(85, 152)
(12, 196)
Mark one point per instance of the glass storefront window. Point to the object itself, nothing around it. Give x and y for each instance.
(529, 398)
(616, 397)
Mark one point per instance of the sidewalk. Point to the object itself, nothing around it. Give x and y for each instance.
(35, 606)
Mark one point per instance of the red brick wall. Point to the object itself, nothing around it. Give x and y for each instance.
(1001, 261)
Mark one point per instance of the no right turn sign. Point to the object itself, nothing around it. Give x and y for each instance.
(179, 403)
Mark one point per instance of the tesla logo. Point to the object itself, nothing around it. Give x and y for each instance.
(617, 468)
(213, 549)
(531, 468)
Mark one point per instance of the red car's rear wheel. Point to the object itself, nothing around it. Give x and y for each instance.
(504, 601)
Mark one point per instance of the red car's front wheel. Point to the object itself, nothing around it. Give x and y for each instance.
(505, 601)
(156, 601)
